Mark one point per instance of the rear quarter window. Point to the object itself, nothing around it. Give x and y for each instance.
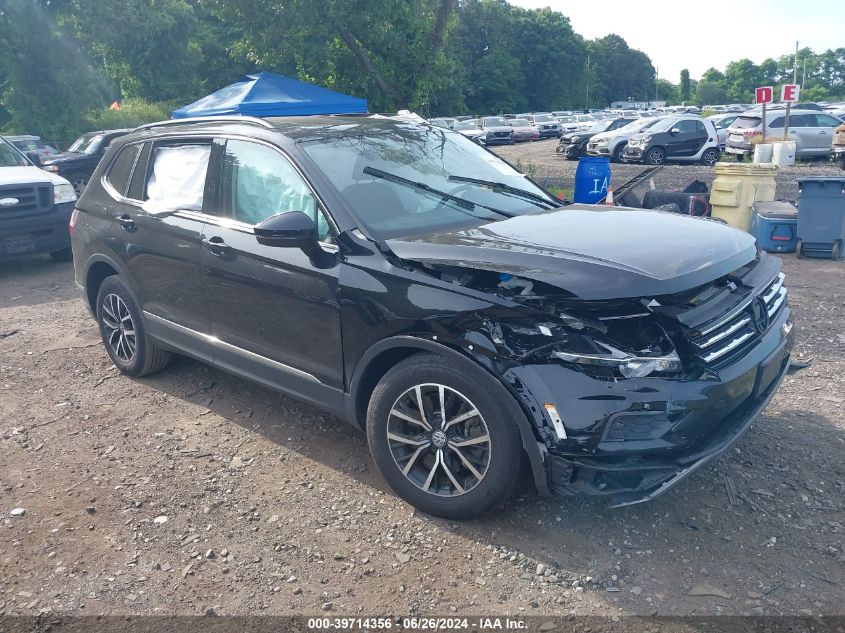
(747, 122)
(121, 168)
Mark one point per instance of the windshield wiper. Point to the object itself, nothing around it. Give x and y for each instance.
(463, 202)
(500, 185)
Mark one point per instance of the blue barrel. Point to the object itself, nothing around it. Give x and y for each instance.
(591, 179)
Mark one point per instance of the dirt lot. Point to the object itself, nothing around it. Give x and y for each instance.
(192, 491)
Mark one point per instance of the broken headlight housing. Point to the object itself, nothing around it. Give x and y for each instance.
(629, 365)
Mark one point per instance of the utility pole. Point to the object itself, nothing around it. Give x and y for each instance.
(587, 95)
(789, 103)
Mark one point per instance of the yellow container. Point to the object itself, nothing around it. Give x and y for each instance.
(737, 186)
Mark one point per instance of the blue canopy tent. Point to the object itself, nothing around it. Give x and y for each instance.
(269, 94)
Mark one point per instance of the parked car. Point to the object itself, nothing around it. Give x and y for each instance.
(523, 130)
(445, 122)
(584, 122)
(681, 138)
(81, 158)
(812, 131)
(567, 124)
(574, 144)
(722, 122)
(470, 129)
(29, 143)
(837, 149)
(496, 130)
(412, 283)
(35, 207)
(612, 143)
(547, 125)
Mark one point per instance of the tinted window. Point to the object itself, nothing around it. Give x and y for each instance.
(686, 126)
(258, 182)
(139, 177)
(747, 122)
(495, 122)
(777, 122)
(176, 178)
(823, 120)
(9, 156)
(802, 120)
(725, 123)
(121, 169)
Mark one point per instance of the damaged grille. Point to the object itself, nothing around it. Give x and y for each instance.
(731, 333)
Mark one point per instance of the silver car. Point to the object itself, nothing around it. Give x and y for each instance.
(812, 131)
(722, 123)
(611, 144)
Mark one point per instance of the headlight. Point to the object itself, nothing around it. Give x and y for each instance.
(63, 193)
(645, 140)
(628, 365)
(51, 168)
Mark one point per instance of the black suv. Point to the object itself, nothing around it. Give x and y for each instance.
(79, 161)
(407, 280)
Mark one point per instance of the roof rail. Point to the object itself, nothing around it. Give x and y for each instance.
(208, 119)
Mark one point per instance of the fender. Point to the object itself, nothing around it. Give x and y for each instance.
(533, 447)
(106, 258)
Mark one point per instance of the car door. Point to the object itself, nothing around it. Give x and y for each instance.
(802, 130)
(275, 311)
(684, 141)
(825, 126)
(157, 233)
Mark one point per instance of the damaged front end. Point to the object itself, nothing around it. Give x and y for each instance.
(628, 397)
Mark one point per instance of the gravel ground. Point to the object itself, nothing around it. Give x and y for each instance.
(545, 163)
(194, 492)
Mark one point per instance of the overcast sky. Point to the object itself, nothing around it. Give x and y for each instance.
(678, 35)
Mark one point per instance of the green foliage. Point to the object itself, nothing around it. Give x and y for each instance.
(622, 72)
(132, 113)
(686, 86)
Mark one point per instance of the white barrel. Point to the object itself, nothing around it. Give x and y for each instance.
(763, 153)
(783, 153)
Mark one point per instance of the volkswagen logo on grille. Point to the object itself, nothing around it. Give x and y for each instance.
(8, 202)
(760, 314)
(438, 438)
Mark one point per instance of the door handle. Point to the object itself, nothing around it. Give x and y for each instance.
(126, 222)
(216, 245)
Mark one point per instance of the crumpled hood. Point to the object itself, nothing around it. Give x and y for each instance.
(593, 252)
(29, 175)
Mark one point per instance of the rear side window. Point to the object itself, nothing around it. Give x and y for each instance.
(121, 169)
(824, 120)
(176, 177)
(747, 122)
(777, 122)
(802, 120)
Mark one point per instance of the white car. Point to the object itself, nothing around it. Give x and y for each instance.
(611, 144)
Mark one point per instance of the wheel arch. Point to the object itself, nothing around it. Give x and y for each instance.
(97, 269)
(379, 359)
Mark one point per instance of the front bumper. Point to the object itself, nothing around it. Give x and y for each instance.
(38, 233)
(635, 439)
(570, 150)
(633, 154)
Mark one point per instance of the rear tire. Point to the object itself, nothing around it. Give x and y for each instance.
(425, 467)
(799, 249)
(123, 331)
(710, 157)
(64, 255)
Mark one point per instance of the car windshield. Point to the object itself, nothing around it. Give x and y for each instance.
(386, 174)
(638, 125)
(28, 144)
(86, 144)
(9, 156)
(495, 121)
(747, 122)
(664, 125)
(519, 123)
(566, 119)
(601, 126)
(543, 118)
(465, 125)
(586, 118)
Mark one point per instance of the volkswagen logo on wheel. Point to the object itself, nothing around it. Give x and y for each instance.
(760, 314)
(8, 202)
(438, 438)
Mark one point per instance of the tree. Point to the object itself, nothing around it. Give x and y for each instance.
(623, 72)
(686, 92)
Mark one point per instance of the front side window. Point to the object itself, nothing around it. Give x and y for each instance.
(86, 144)
(686, 126)
(258, 182)
(176, 181)
(824, 120)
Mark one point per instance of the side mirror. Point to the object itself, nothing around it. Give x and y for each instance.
(34, 157)
(291, 229)
(674, 131)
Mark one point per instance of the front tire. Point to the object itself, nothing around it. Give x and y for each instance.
(655, 156)
(123, 331)
(440, 436)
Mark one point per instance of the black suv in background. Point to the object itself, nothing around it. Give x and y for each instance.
(574, 144)
(407, 280)
(79, 161)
